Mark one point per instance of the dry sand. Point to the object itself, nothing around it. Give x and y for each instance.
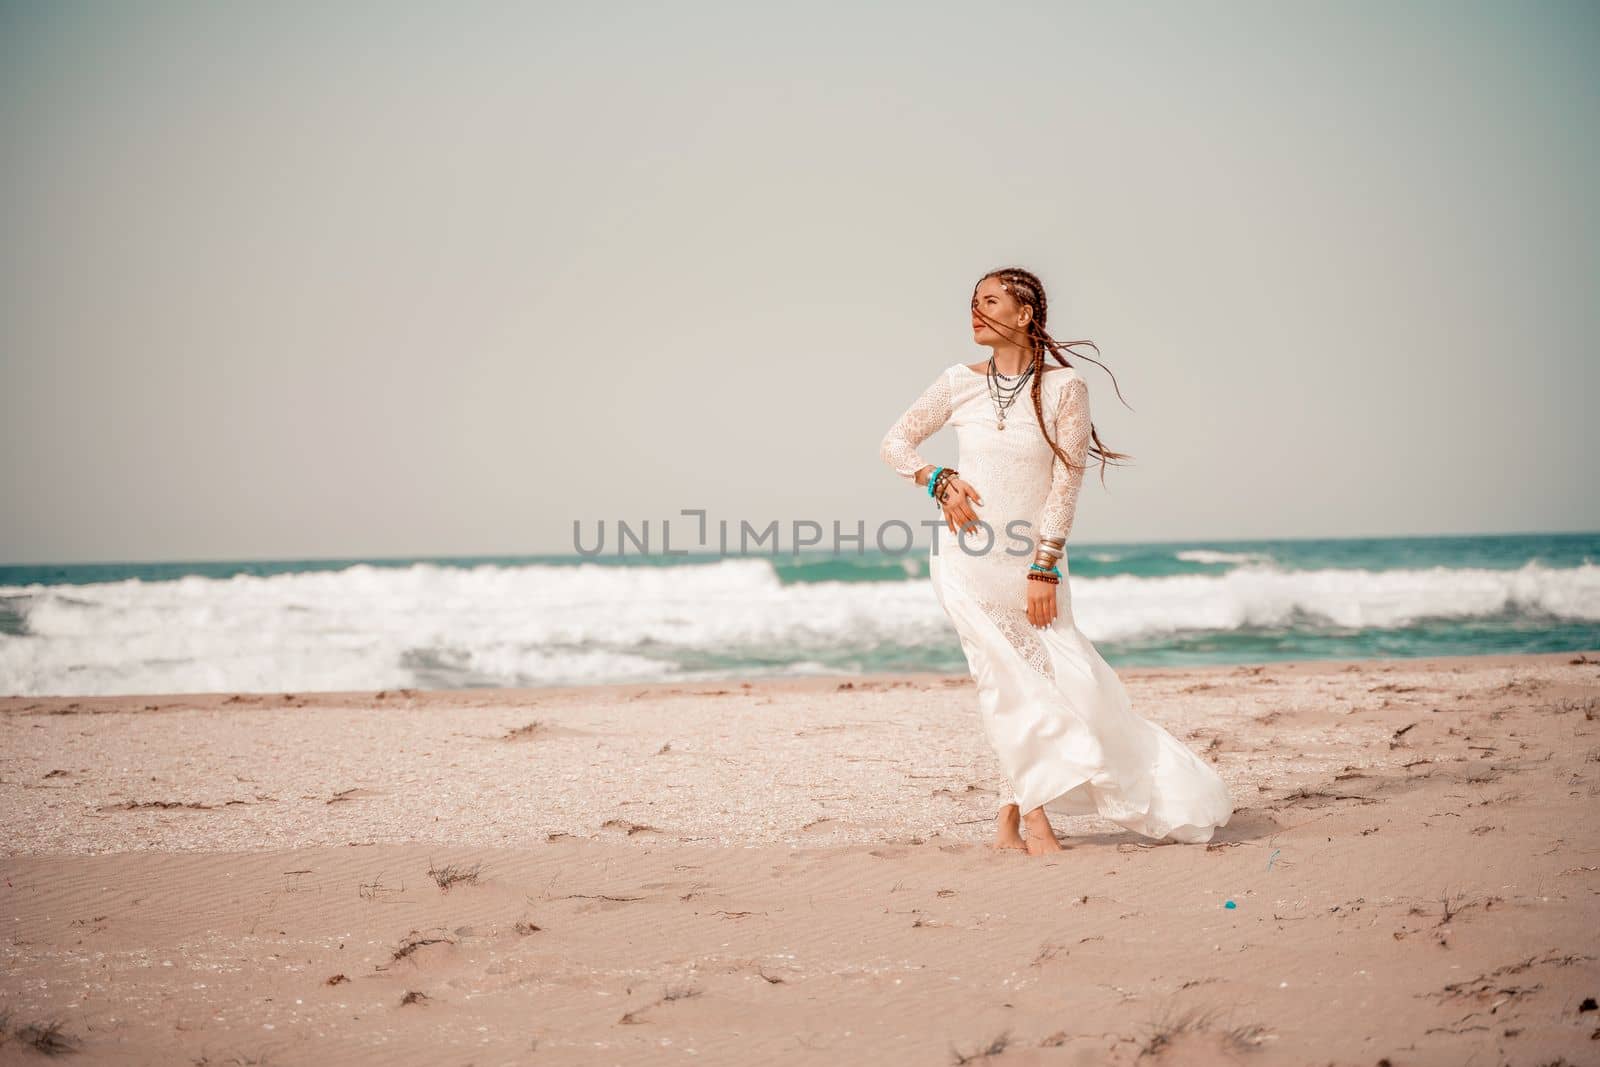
(799, 872)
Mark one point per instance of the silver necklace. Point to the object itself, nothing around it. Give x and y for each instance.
(1004, 390)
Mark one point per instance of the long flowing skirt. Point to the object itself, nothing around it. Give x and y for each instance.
(1061, 723)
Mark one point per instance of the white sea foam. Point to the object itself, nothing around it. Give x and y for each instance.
(444, 627)
(1209, 555)
(1120, 608)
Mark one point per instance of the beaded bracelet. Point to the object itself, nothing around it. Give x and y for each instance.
(939, 484)
(933, 479)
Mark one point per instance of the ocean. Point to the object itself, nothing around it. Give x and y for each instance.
(449, 623)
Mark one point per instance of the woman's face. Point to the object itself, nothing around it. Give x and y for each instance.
(991, 304)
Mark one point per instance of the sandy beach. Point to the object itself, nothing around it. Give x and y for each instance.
(800, 872)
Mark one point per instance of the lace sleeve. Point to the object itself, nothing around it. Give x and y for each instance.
(927, 414)
(1071, 432)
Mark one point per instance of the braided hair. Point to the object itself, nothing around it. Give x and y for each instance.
(1025, 287)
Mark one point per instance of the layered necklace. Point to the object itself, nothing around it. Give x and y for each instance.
(1004, 389)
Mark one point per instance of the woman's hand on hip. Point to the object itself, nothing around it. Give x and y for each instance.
(958, 506)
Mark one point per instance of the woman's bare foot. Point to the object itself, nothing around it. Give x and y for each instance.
(1041, 838)
(1006, 835)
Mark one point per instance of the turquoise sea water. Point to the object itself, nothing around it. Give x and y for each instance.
(265, 626)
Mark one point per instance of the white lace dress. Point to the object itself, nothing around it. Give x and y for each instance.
(1054, 711)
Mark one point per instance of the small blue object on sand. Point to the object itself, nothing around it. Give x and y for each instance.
(1230, 904)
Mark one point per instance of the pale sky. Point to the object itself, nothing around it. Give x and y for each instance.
(392, 279)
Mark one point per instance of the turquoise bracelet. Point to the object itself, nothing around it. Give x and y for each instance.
(932, 478)
(1046, 570)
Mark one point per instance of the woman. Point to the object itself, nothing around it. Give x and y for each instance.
(1054, 711)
